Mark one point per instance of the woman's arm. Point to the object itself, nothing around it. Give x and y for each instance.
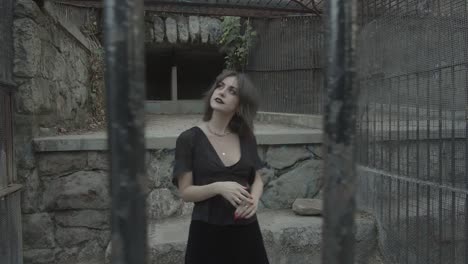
(257, 187)
(192, 193)
(248, 210)
(232, 191)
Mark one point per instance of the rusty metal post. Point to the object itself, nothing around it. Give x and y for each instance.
(340, 115)
(125, 89)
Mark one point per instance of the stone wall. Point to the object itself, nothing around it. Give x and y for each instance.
(179, 29)
(422, 186)
(51, 71)
(71, 197)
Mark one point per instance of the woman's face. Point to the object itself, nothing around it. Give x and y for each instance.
(225, 97)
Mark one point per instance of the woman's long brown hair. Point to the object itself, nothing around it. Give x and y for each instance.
(242, 121)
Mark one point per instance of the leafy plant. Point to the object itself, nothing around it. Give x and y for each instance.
(236, 40)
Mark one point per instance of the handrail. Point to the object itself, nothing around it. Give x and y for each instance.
(10, 189)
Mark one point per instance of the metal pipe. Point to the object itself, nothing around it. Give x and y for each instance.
(340, 119)
(125, 91)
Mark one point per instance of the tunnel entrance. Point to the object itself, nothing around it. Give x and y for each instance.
(181, 72)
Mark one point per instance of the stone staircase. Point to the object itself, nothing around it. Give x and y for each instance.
(289, 238)
(67, 196)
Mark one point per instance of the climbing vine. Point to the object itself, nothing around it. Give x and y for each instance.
(96, 70)
(236, 40)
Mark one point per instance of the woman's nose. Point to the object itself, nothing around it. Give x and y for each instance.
(222, 92)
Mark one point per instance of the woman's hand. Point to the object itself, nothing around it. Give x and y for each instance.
(235, 193)
(246, 210)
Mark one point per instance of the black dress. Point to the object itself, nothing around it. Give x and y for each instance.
(214, 236)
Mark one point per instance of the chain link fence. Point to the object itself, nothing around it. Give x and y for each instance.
(286, 64)
(412, 144)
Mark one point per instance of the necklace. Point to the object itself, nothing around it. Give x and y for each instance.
(217, 134)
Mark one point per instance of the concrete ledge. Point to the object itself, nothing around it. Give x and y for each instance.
(310, 121)
(174, 107)
(69, 28)
(98, 141)
(289, 238)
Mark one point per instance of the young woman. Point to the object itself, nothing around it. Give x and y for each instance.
(216, 167)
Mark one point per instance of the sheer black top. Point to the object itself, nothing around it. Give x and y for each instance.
(195, 153)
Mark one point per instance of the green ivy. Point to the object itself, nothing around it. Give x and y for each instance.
(234, 44)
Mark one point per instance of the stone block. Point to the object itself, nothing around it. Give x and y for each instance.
(39, 256)
(308, 206)
(161, 203)
(67, 255)
(317, 150)
(187, 208)
(286, 156)
(84, 218)
(27, 45)
(33, 97)
(194, 28)
(73, 236)
(80, 190)
(38, 231)
(304, 181)
(205, 29)
(59, 163)
(214, 30)
(159, 29)
(149, 32)
(92, 252)
(267, 175)
(27, 9)
(32, 192)
(171, 30)
(98, 161)
(182, 29)
(159, 168)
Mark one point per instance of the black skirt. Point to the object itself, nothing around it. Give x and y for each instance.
(232, 244)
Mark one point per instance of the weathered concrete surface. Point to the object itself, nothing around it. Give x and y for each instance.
(289, 239)
(308, 206)
(68, 198)
(160, 136)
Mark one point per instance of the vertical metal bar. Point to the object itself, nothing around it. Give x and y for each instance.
(390, 151)
(452, 139)
(408, 144)
(440, 165)
(428, 167)
(125, 88)
(407, 222)
(429, 217)
(367, 124)
(398, 166)
(340, 115)
(382, 149)
(374, 145)
(382, 129)
(418, 252)
(466, 223)
(466, 152)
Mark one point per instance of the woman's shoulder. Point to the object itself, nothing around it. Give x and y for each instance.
(188, 134)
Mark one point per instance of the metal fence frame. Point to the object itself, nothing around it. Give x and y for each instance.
(11, 250)
(125, 89)
(413, 130)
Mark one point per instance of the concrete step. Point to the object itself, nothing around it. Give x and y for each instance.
(289, 238)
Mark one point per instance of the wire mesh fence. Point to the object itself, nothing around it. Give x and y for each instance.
(412, 127)
(10, 210)
(286, 64)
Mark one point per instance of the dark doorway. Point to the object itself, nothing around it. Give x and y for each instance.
(196, 67)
